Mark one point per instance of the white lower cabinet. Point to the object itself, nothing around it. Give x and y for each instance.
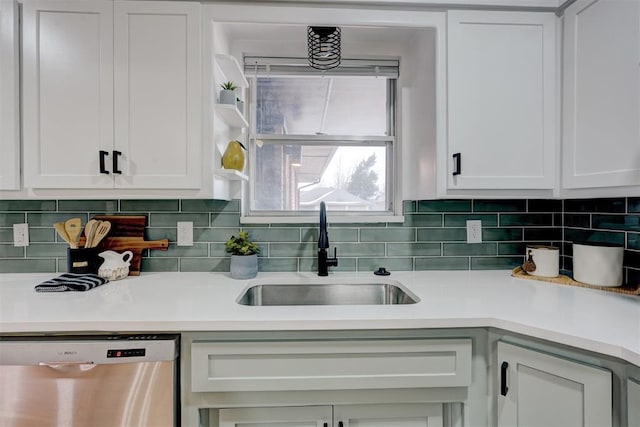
(537, 389)
(391, 415)
(633, 402)
(327, 380)
(330, 365)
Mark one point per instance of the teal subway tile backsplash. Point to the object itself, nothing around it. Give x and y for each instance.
(495, 263)
(392, 234)
(519, 205)
(442, 263)
(150, 205)
(460, 220)
(27, 205)
(8, 219)
(32, 265)
(507, 220)
(441, 234)
(423, 220)
(414, 249)
(159, 264)
(204, 205)
(432, 237)
(444, 206)
(104, 206)
(391, 264)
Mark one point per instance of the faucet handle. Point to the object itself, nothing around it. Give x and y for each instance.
(333, 262)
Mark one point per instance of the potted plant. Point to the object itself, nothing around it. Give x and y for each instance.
(244, 256)
(240, 105)
(228, 93)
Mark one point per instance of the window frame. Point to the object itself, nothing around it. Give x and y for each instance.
(391, 142)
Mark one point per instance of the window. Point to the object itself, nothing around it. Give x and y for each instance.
(321, 136)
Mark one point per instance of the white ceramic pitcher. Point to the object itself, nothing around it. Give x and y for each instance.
(115, 265)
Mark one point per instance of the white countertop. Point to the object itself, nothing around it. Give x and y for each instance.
(594, 320)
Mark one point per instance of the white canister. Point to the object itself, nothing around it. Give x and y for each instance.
(546, 259)
(598, 264)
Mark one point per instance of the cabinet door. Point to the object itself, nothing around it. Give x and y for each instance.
(601, 96)
(536, 389)
(305, 416)
(67, 92)
(501, 100)
(391, 415)
(9, 96)
(157, 94)
(633, 403)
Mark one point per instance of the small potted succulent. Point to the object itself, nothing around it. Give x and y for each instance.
(244, 256)
(240, 105)
(228, 93)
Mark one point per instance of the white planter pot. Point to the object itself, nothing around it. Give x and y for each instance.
(228, 97)
(244, 266)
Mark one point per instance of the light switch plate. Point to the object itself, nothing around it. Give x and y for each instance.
(20, 235)
(185, 233)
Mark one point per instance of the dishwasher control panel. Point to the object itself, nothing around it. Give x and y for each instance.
(128, 352)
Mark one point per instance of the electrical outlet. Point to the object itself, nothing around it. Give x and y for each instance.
(474, 231)
(21, 235)
(185, 233)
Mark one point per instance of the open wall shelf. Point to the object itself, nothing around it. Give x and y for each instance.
(231, 69)
(231, 115)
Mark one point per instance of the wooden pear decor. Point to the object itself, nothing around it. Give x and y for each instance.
(233, 157)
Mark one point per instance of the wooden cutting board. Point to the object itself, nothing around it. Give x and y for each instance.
(125, 225)
(127, 234)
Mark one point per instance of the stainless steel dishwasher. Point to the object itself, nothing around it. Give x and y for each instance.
(89, 381)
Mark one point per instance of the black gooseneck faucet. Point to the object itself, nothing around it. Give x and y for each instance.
(323, 244)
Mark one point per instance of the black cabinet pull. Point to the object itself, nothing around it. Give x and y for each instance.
(340, 424)
(326, 424)
(503, 378)
(103, 168)
(458, 164)
(116, 153)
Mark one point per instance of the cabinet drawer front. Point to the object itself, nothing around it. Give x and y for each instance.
(330, 365)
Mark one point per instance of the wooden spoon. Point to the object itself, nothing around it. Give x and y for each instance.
(59, 227)
(73, 227)
(90, 231)
(101, 231)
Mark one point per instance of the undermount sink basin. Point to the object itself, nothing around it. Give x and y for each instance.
(326, 294)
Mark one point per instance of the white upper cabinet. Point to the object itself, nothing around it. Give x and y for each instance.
(9, 97)
(601, 96)
(501, 100)
(67, 92)
(157, 93)
(111, 94)
(537, 389)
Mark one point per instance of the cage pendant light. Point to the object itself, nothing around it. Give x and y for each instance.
(324, 47)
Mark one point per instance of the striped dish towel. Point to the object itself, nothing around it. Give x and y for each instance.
(71, 282)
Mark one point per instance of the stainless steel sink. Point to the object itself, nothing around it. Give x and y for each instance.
(326, 294)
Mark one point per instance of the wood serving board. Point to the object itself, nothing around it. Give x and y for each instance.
(125, 225)
(127, 234)
(566, 280)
